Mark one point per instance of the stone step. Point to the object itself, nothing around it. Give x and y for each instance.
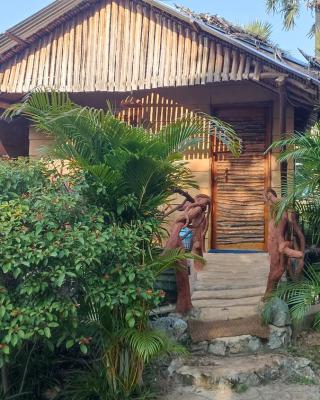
(226, 313)
(228, 294)
(200, 286)
(216, 303)
(252, 370)
(279, 338)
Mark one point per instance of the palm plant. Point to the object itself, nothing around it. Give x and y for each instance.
(132, 171)
(304, 194)
(262, 30)
(303, 197)
(290, 10)
(299, 296)
(119, 354)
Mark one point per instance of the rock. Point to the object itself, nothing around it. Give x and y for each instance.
(279, 313)
(279, 337)
(173, 327)
(238, 344)
(252, 370)
(217, 348)
(201, 347)
(298, 368)
(254, 344)
(235, 345)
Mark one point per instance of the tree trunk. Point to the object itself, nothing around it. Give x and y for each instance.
(317, 30)
(5, 379)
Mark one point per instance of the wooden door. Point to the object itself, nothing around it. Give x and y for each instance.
(239, 211)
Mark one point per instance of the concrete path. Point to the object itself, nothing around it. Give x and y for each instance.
(230, 285)
(276, 391)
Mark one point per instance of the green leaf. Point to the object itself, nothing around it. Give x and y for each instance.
(60, 279)
(69, 344)
(50, 236)
(2, 311)
(84, 348)
(47, 332)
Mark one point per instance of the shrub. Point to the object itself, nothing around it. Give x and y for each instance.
(71, 279)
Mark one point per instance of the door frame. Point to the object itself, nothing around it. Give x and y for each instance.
(268, 107)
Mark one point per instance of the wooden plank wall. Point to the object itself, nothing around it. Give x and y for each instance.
(124, 45)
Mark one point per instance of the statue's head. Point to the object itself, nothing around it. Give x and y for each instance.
(203, 199)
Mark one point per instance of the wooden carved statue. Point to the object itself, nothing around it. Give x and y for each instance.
(286, 244)
(195, 216)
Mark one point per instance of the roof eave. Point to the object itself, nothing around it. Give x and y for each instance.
(233, 41)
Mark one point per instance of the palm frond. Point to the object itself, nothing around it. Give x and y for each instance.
(272, 5)
(299, 296)
(290, 10)
(261, 29)
(171, 259)
(151, 344)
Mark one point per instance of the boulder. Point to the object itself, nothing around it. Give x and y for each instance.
(217, 348)
(174, 327)
(279, 337)
(279, 313)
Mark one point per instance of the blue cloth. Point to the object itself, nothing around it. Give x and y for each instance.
(186, 235)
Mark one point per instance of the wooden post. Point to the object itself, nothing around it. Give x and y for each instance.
(282, 128)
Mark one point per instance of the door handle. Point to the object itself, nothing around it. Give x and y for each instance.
(226, 175)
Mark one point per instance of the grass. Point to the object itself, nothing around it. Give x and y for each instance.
(240, 388)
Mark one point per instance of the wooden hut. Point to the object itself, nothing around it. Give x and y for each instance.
(157, 63)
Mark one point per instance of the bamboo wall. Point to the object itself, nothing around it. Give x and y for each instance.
(125, 45)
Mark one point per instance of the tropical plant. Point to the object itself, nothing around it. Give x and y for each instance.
(129, 171)
(81, 256)
(304, 184)
(260, 29)
(290, 10)
(299, 296)
(303, 149)
(60, 254)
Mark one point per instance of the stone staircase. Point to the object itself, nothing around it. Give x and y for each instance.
(230, 287)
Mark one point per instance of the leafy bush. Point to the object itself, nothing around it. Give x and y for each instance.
(18, 177)
(78, 258)
(63, 265)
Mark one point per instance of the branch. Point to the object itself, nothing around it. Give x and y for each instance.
(184, 194)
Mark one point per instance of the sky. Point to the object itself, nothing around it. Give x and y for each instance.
(237, 11)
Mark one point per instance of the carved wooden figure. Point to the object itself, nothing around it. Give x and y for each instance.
(285, 243)
(195, 216)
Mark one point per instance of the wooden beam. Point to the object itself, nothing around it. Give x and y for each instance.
(282, 131)
(15, 38)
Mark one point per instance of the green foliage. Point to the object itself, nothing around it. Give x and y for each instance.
(18, 177)
(122, 354)
(290, 9)
(72, 280)
(304, 185)
(263, 30)
(78, 260)
(128, 171)
(299, 296)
